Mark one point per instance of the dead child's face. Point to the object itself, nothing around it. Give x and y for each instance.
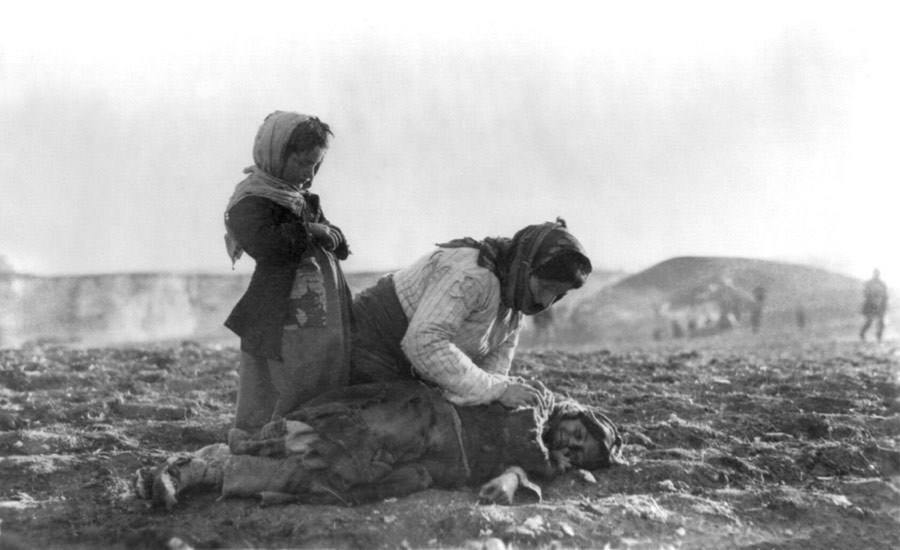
(575, 442)
(302, 166)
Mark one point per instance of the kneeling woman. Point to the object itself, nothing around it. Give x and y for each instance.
(376, 441)
(452, 319)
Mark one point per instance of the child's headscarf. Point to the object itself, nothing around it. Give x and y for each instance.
(514, 260)
(598, 425)
(264, 178)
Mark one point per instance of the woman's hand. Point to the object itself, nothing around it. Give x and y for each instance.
(520, 395)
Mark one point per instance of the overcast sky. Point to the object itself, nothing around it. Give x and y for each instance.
(766, 131)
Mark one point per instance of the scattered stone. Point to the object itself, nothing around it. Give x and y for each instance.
(10, 421)
(176, 543)
(531, 527)
(585, 476)
(667, 485)
(492, 543)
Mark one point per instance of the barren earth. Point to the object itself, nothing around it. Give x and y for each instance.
(741, 443)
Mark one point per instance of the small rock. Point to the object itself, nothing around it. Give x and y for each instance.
(176, 543)
(534, 523)
(840, 500)
(585, 476)
(492, 543)
(667, 485)
(10, 421)
(858, 512)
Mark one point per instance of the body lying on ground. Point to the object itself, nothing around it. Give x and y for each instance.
(382, 440)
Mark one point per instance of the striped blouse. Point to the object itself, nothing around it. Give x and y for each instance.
(460, 337)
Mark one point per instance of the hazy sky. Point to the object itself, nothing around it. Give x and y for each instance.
(766, 131)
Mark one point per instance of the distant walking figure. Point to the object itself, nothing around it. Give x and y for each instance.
(874, 305)
(756, 308)
(800, 314)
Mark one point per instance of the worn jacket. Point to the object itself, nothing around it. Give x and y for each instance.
(379, 440)
(276, 238)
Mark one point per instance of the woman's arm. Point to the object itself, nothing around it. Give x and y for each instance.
(451, 298)
(499, 359)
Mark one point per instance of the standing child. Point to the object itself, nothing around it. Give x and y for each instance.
(294, 319)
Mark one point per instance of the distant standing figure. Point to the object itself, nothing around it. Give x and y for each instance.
(759, 297)
(874, 305)
(800, 315)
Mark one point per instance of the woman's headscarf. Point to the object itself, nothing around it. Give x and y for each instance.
(514, 260)
(264, 179)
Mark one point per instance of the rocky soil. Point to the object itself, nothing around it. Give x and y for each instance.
(787, 444)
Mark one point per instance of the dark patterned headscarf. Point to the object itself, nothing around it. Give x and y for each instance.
(514, 260)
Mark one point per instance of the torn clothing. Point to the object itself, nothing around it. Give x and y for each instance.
(288, 266)
(294, 320)
(269, 218)
(375, 441)
(361, 435)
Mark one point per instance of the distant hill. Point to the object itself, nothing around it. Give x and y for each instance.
(664, 299)
(612, 307)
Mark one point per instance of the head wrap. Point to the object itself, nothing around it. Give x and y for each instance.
(264, 179)
(514, 260)
(598, 425)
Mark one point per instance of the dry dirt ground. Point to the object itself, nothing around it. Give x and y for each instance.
(731, 444)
